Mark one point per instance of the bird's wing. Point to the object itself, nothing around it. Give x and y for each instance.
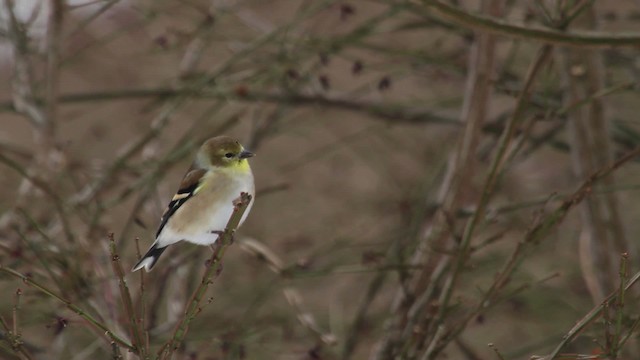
(190, 185)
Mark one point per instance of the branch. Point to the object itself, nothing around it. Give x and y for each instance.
(54, 36)
(22, 83)
(490, 183)
(587, 319)
(394, 112)
(293, 296)
(43, 185)
(134, 324)
(90, 319)
(537, 233)
(548, 36)
(213, 269)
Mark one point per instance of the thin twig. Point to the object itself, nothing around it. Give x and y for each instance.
(16, 309)
(536, 234)
(54, 39)
(71, 306)
(490, 182)
(43, 185)
(588, 318)
(293, 296)
(213, 269)
(14, 341)
(619, 306)
(143, 301)
(450, 194)
(390, 112)
(548, 36)
(134, 324)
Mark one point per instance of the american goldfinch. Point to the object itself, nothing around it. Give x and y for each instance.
(203, 204)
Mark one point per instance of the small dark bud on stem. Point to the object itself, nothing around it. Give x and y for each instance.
(346, 11)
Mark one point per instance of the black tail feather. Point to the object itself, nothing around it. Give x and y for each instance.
(150, 258)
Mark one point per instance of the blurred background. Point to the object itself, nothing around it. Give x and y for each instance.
(424, 176)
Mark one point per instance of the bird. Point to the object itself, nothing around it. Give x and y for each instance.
(199, 211)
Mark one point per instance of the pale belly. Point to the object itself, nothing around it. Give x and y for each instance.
(207, 213)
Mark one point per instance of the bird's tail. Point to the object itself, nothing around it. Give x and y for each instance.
(149, 259)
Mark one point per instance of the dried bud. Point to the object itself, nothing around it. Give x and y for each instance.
(324, 59)
(357, 67)
(371, 257)
(241, 90)
(209, 19)
(162, 42)
(384, 83)
(346, 11)
(58, 324)
(303, 263)
(324, 81)
(314, 353)
(292, 74)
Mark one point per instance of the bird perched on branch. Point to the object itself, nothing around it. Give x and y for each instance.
(199, 211)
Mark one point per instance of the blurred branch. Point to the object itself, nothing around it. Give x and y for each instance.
(589, 318)
(36, 248)
(135, 326)
(536, 233)
(552, 37)
(157, 125)
(495, 168)
(23, 93)
(397, 113)
(602, 235)
(213, 270)
(42, 117)
(196, 48)
(88, 20)
(71, 306)
(54, 38)
(407, 308)
(293, 296)
(13, 335)
(44, 186)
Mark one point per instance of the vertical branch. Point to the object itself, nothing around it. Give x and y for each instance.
(619, 306)
(13, 335)
(24, 95)
(494, 171)
(134, 324)
(602, 234)
(16, 310)
(22, 80)
(14, 341)
(213, 269)
(590, 317)
(143, 302)
(54, 37)
(456, 180)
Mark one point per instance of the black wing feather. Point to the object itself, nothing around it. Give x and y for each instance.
(187, 193)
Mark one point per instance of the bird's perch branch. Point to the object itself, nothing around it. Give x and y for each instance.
(214, 268)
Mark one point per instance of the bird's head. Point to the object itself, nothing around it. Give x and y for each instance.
(223, 152)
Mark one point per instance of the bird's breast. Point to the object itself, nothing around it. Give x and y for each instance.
(211, 208)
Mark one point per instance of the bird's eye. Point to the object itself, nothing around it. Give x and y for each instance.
(228, 155)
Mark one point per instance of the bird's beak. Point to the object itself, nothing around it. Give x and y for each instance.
(246, 154)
